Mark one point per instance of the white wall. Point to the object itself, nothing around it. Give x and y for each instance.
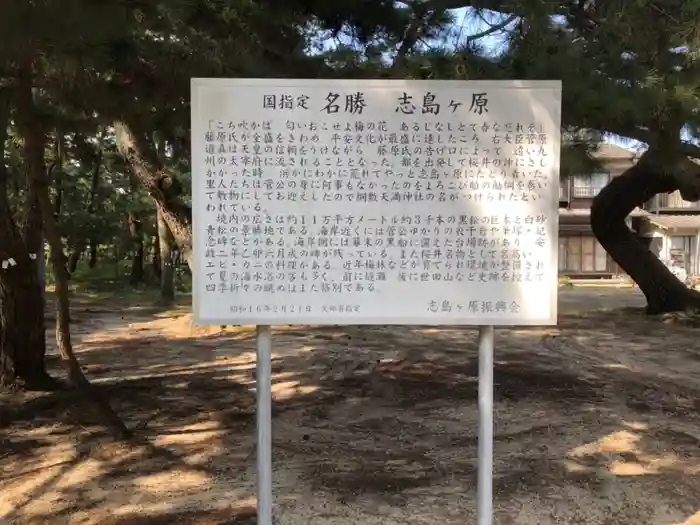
(679, 239)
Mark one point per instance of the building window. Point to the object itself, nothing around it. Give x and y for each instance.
(680, 251)
(582, 254)
(573, 254)
(562, 254)
(601, 258)
(588, 186)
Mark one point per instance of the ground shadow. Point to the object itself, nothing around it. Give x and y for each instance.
(360, 412)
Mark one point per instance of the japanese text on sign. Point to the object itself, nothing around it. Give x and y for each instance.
(363, 202)
(355, 103)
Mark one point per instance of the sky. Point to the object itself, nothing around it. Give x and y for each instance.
(466, 24)
(493, 44)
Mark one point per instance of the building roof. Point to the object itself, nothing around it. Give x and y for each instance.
(675, 222)
(606, 151)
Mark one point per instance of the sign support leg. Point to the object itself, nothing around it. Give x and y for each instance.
(263, 385)
(485, 463)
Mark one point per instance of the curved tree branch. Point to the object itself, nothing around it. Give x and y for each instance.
(686, 148)
(493, 29)
(410, 38)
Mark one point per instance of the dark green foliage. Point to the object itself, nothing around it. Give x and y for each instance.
(96, 62)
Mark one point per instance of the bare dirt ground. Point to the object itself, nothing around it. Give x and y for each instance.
(597, 422)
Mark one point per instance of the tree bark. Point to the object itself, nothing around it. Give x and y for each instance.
(33, 234)
(58, 172)
(96, 160)
(156, 264)
(75, 256)
(160, 184)
(95, 200)
(663, 291)
(30, 127)
(137, 250)
(92, 262)
(165, 243)
(22, 341)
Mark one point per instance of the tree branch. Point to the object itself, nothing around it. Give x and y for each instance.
(501, 6)
(493, 29)
(410, 38)
(686, 148)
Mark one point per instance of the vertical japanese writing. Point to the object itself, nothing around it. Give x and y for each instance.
(338, 200)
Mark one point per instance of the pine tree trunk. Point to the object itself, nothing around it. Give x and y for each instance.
(94, 201)
(75, 255)
(156, 264)
(22, 341)
(58, 173)
(22, 331)
(165, 243)
(95, 159)
(30, 127)
(136, 250)
(21, 352)
(92, 262)
(34, 245)
(159, 183)
(663, 291)
(136, 275)
(155, 255)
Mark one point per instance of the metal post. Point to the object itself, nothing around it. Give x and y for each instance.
(264, 423)
(484, 507)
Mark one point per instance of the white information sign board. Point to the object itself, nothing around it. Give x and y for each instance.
(375, 201)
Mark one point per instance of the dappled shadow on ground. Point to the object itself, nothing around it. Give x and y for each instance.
(596, 418)
(245, 516)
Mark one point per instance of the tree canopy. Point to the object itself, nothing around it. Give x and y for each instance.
(95, 101)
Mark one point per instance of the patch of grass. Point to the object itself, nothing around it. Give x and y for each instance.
(107, 285)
